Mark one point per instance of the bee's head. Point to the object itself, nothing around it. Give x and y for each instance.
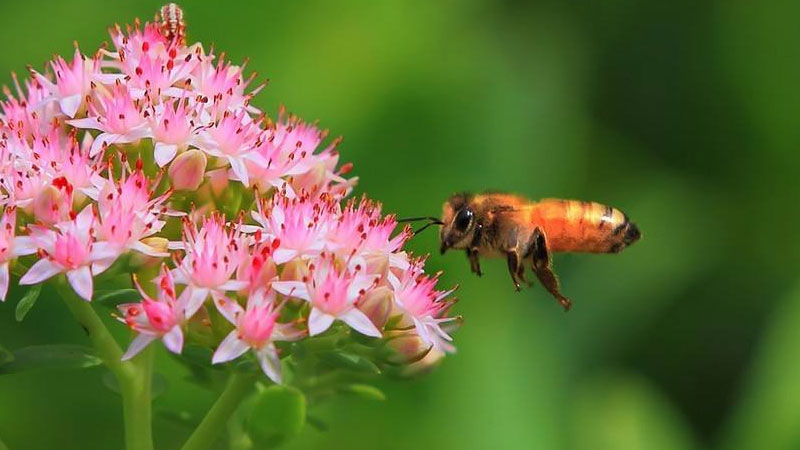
(459, 222)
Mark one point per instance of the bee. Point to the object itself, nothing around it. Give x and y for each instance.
(506, 225)
(172, 24)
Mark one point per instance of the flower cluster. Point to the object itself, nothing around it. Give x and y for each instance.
(101, 154)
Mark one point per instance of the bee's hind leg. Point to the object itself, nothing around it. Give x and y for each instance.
(542, 266)
(514, 266)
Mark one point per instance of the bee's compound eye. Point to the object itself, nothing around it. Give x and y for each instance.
(463, 219)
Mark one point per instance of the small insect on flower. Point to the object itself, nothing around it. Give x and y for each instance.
(498, 224)
(172, 24)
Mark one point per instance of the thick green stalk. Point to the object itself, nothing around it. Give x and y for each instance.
(134, 377)
(214, 422)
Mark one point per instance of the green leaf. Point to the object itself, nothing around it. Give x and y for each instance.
(317, 423)
(768, 410)
(364, 391)
(197, 355)
(27, 301)
(117, 296)
(278, 414)
(5, 356)
(51, 357)
(158, 385)
(618, 411)
(349, 361)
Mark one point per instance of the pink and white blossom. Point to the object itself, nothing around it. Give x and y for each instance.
(70, 249)
(416, 297)
(11, 247)
(332, 293)
(256, 329)
(161, 317)
(212, 254)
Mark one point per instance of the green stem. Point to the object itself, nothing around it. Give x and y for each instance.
(134, 377)
(208, 431)
(3, 446)
(137, 403)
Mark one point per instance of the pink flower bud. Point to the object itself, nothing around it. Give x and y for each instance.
(377, 304)
(187, 170)
(423, 366)
(406, 348)
(52, 205)
(295, 270)
(219, 181)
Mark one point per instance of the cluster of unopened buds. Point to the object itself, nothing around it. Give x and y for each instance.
(148, 158)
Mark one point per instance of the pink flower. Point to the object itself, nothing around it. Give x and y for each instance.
(258, 269)
(224, 85)
(117, 115)
(286, 149)
(256, 329)
(54, 202)
(71, 250)
(361, 231)
(28, 113)
(11, 246)
(128, 215)
(212, 255)
(148, 62)
(172, 129)
(298, 224)
(416, 297)
(72, 83)
(332, 294)
(232, 138)
(162, 317)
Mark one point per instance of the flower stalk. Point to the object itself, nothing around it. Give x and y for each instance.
(237, 389)
(134, 377)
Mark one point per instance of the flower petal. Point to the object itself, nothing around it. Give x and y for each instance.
(359, 321)
(173, 340)
(296, 289)
(81, 281)
(164, 153)
(233, 285)
(193, 298)
(69, 105)
(230, 309)
(139, 342)
(240, 170)
(270, 363)
(3, 281)
(283, 255)
(105, 250)
(24, 245)
(42, 270)
(319, 322)
(230, 348)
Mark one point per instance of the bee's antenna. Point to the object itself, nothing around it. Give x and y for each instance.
(433, 222)
(417, 219)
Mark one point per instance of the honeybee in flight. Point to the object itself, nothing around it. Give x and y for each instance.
(506, 225)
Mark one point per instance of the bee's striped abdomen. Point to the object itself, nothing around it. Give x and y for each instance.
(575, 226)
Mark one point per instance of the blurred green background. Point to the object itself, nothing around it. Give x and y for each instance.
(684, 114)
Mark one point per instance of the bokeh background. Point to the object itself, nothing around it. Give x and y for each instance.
(684, 114)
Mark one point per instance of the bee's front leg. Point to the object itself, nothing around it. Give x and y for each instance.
(514, 264)
(474, 262)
